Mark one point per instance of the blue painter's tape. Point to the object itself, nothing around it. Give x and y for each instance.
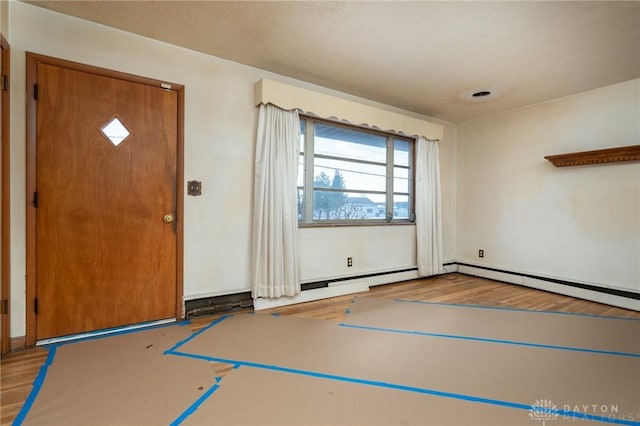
(203, 357)
(470, 398)
(193, 407)
(197, 333)
(275, 314)
(51, 355)
(433, 392)
(37, 385)
(487, 340)
(501, 308)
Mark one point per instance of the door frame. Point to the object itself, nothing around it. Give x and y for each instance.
(5, 240)
(33, 60)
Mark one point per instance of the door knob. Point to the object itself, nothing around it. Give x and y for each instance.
(168, 218)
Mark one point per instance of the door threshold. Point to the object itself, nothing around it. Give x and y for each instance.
(105, 332)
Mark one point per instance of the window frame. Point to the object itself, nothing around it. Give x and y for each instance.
(307, 219)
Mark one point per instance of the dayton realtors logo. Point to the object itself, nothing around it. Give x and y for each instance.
(543, 410)
(546, 410)
(599, 411)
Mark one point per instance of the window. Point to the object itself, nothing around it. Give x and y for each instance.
(115, 131)
(350, 175)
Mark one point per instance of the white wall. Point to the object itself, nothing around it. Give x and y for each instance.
(220, 122)
(4, 18)
(577, 223)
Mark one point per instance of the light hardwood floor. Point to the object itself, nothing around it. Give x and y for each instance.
(19, 369)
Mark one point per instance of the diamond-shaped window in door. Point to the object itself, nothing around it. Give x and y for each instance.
(115, 131)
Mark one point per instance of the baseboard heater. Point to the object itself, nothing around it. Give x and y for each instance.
(237, 301)
(612, 291)
(325, 283)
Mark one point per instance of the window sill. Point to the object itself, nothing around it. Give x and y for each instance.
(336, 224)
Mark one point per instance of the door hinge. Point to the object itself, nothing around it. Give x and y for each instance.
(36, 199)
(35, 92)
(35, 305)
(4, 83)
(4, 307)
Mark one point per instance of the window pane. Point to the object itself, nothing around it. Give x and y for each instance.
(379, 199)
(348, 175)
(300, 204)
(330, 205)
(115, 131)
(339, 142)
(400, 179)
(300, 181)
(327, 204)
(401, 152)
(303, 132)
(401, 206)
(369, 206)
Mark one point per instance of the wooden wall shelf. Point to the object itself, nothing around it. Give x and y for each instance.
(610, 155)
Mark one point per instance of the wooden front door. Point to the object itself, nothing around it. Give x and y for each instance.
(105, 201)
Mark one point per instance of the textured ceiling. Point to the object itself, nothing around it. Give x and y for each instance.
(426, 57)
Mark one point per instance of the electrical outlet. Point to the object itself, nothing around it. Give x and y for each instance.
(349, 261)
(480, 253)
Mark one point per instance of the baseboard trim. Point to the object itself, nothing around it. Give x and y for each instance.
(590, 287)
(311, 295)
(331, 282)
(217, 304)
(18, 343)
(341, 286)
(610, 296)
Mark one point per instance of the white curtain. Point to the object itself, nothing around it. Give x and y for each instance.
(274, 271)
(428, 208)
